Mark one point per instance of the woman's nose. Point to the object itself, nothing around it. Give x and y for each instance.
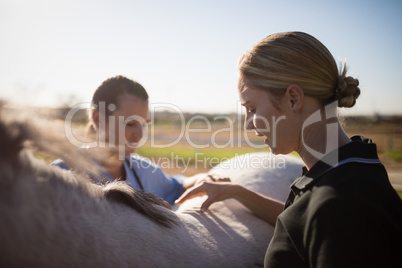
(138, 133)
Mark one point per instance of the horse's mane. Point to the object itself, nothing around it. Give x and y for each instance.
(138, 200)
(19, 133)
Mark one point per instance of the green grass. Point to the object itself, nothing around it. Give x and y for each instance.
(395, 155)
(189, 153)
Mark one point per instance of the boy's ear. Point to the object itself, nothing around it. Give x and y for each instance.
(294, 94)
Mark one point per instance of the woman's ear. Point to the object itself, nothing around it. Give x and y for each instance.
(95, 118)
(294, 94)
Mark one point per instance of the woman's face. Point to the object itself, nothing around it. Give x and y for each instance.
(269, 117)
(125, 126)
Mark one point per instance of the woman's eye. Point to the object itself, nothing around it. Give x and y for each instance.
(249, 110)
(146, 124)
(137, 124)
(131, 124)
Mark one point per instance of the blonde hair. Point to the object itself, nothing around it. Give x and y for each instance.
(298, 58)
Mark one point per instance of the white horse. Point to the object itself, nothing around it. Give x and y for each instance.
(54, 218)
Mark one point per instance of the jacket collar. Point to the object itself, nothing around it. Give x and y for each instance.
(360, 150)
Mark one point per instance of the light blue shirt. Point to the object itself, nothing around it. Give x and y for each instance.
(151, 176)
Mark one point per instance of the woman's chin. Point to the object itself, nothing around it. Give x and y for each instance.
(130, 150)
(131, 147)
(271, 149)
(275, 150)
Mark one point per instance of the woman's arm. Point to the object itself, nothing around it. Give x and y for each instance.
(262, 206)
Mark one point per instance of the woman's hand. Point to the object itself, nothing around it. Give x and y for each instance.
(262, 206)
(211, 178)
(201, 177)
(216, 191)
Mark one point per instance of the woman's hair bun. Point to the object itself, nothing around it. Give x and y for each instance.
(348, 91)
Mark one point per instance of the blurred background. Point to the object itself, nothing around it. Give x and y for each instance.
(54, 54)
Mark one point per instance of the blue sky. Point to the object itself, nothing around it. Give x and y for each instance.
(185, 52)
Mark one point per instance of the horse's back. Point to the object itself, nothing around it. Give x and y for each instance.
(240, 237)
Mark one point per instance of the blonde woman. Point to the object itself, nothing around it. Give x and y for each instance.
(343, 211)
